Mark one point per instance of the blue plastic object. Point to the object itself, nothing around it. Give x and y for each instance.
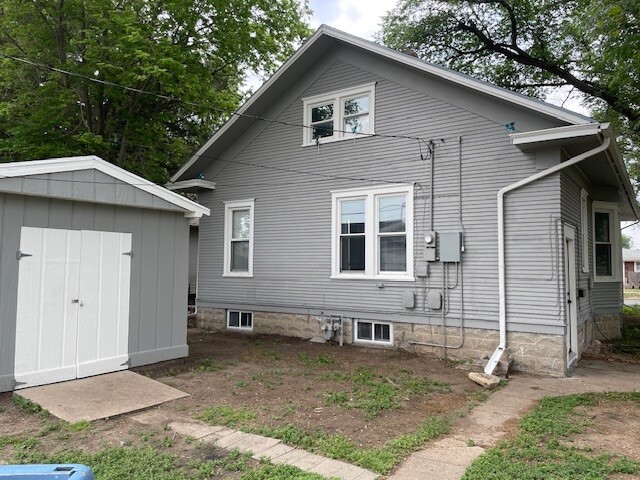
(45, 472)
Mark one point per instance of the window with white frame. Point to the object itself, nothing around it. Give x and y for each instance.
(237, 319)
(606, 239)
(372, 233)
(636, 266)
(339, 115)
(584, 229)
(373, 332)
(238, 238)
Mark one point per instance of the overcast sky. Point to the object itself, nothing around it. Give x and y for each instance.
(358, 17)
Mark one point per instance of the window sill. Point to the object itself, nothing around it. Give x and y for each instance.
(607, 280)
(241, 329)
(369, 277)
(371, 343)
(241, 275)
(338, 139)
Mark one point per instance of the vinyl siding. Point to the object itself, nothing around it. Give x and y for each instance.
(292, 232)
(158, 300)
(85, 185)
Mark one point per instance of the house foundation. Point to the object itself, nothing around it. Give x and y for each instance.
(607, 326)
(530, 352)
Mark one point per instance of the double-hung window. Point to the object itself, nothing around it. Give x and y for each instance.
(238, 238)
(373, 233)
(339, 115)
(606, 239)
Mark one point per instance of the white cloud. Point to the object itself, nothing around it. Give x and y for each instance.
(357, 17)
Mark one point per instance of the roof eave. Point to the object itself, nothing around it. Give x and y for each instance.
(408, 60)
(68, 164)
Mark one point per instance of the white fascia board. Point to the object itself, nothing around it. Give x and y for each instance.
(450, 75)
(459, 78)
(557, 133)
(69, 164)
(194, 183)
(250, 101)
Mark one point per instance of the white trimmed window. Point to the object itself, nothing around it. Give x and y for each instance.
(378, 333)
(339, 115)
(584, 229)
(239, 320)
(372, 233)
(238, 238)
(606, 239)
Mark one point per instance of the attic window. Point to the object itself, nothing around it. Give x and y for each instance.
(339, 115)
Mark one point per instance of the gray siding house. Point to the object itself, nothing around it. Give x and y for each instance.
(93, 270)
(412, 206)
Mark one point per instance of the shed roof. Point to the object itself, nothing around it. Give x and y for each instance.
(32, 169)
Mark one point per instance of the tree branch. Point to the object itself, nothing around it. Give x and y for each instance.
(518, 55)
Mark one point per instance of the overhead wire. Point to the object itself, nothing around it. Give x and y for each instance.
(427, 142)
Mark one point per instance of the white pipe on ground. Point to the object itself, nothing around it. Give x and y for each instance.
(495, 358)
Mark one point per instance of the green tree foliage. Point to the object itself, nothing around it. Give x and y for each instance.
(198, 51)
(534, 45)
(625, 241)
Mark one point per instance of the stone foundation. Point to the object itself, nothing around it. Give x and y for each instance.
(607, 326)
(530, 352)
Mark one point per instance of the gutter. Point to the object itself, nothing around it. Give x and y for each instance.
(502, 346)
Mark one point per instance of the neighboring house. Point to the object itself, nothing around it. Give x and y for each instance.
(93, 270)
(631, 267)
(194, 225)
(363, 183)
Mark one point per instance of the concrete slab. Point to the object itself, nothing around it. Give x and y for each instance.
(274, 452)
(193, 429)
(255, 444)
(309, 461)
(344, 471)
(295, 455)
(229, 442)
(101, 396)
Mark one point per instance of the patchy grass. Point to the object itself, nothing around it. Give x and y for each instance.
(543, 450)
(316, 361)
(338, 446)
(281, 472)
(28, 406)
(208, 364)
(227, 416)
(373, 393)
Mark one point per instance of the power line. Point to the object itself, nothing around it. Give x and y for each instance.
(186, 102)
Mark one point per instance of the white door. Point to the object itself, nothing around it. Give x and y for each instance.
(570, 294)
(73, 304)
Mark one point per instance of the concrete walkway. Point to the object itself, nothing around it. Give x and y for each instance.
(261, 447)
(449, 457)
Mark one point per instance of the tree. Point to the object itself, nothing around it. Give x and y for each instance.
(625, 241)
(193, 55)
(534, 45)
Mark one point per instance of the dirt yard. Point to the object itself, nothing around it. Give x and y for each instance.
(368, 395)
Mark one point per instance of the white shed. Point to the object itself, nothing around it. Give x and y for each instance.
(93, 270)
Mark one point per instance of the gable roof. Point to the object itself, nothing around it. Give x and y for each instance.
(319, 43)
(91, 162)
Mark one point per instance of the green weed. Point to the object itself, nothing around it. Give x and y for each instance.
(227, 416)
(78, 426)
(381, 459)
(318, 361)
(28, 406)
(540, 451)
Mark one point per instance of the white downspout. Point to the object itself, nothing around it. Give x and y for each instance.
(495, 358)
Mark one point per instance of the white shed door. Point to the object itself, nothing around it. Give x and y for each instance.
(73, 304)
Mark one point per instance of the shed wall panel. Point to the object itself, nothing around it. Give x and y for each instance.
(160, 244)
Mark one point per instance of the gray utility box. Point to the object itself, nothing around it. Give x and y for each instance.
(450, 246)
